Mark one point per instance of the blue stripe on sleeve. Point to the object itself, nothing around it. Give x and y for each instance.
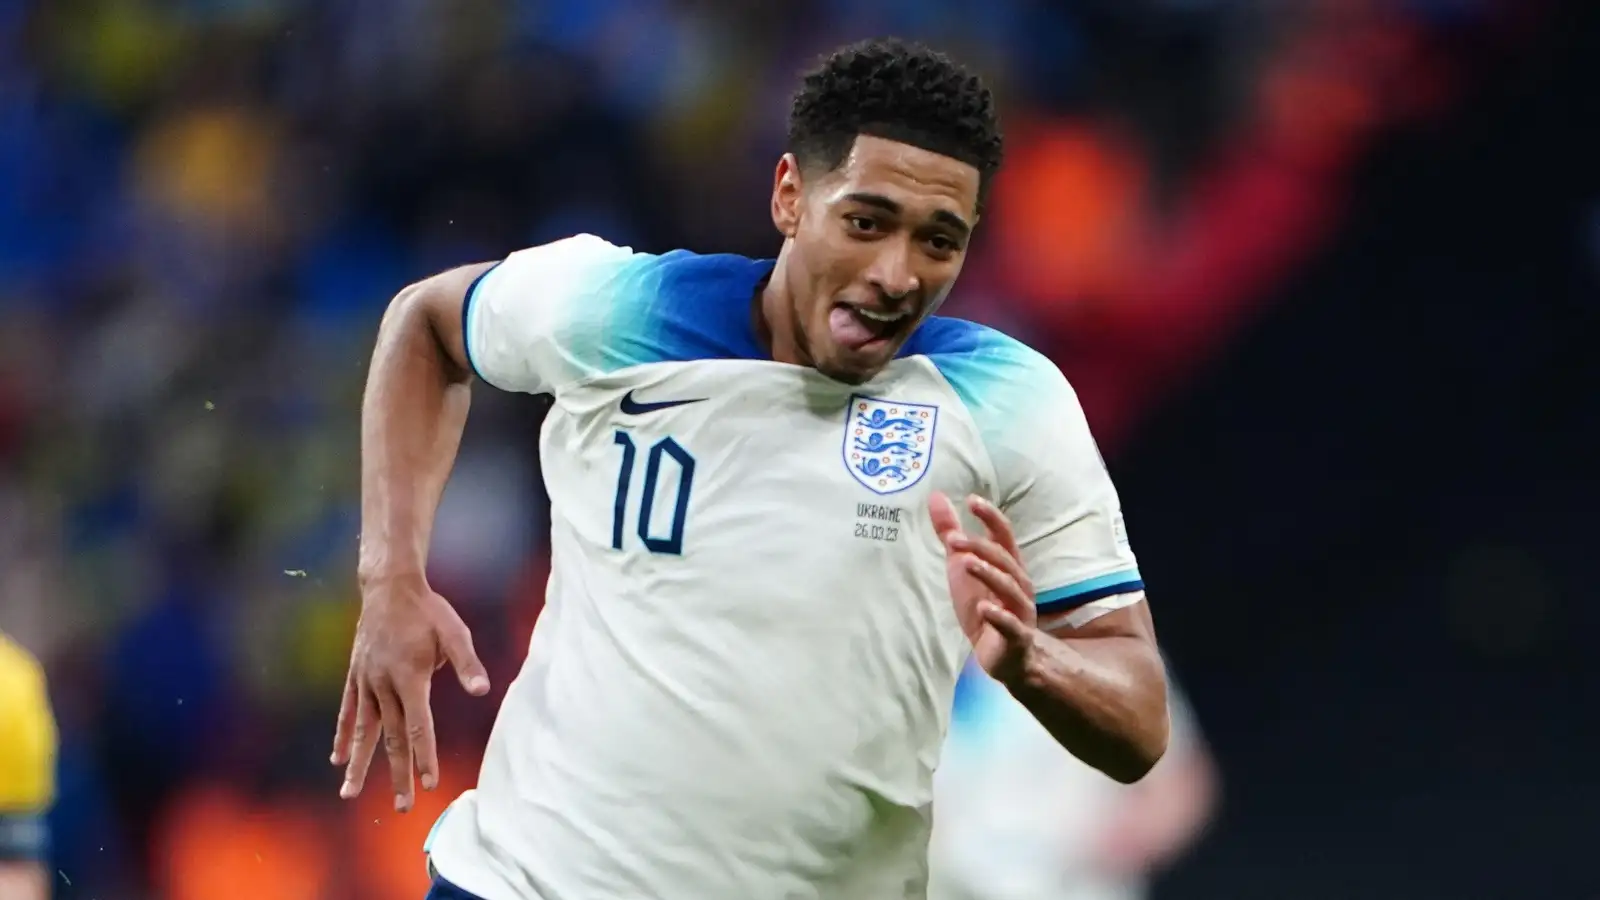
(433, 832)
(466, 318)
(1079, 593)
(678, 307)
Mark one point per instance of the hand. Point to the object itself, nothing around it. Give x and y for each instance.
(991, 591)
(406, 633)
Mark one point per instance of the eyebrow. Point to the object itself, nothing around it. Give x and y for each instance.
(948, 218)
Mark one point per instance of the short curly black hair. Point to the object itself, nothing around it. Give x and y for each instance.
(899, 90)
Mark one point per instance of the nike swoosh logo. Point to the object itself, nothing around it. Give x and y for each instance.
(632, 407)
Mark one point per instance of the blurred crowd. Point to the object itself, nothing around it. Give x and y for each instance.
(205, 204)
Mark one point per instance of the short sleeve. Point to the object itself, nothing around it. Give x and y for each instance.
(27, 756)
(1055, 488)
(1049, 477)
(538, 320)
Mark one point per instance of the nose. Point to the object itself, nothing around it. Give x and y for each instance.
(891, 272)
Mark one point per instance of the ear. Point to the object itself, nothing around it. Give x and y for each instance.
(787, 187)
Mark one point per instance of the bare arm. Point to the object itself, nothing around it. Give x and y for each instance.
(412, 417)
(1100, 689)
(415, 409)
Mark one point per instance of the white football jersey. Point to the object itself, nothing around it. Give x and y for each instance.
(743, 675)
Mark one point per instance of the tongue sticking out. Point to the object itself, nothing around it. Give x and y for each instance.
(851, 331)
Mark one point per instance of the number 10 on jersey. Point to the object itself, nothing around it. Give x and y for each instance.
(655, 458)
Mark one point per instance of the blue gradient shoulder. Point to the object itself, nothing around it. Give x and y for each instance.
(679, 307)
(998, 378)
(551, 316)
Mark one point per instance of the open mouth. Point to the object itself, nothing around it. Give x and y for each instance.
(858, 328)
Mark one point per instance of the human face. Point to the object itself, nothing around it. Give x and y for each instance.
(873, 247)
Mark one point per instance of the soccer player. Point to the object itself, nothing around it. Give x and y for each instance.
(760, 597)
(27, 774)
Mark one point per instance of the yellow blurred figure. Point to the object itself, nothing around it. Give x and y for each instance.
(27, 774)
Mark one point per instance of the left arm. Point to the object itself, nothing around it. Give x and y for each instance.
(1051, 597)
(1090, 674)
(1099, 688)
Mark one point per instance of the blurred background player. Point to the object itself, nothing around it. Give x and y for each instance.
(27, 774)
(1018, 818)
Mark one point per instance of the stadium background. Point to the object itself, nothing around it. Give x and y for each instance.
(1325, 274)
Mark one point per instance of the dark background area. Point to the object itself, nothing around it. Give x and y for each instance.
(1377, 516)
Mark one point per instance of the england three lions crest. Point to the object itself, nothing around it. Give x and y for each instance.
(887, 444)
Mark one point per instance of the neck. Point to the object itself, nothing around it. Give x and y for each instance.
(774, 312)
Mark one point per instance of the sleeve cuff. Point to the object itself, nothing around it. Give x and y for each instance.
(466, 318)
(1080, 592)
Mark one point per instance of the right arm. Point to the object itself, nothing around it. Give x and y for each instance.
(412, 417)
(518, 324)
(529, 324)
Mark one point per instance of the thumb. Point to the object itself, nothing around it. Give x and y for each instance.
(943, 514)
(457, 643)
